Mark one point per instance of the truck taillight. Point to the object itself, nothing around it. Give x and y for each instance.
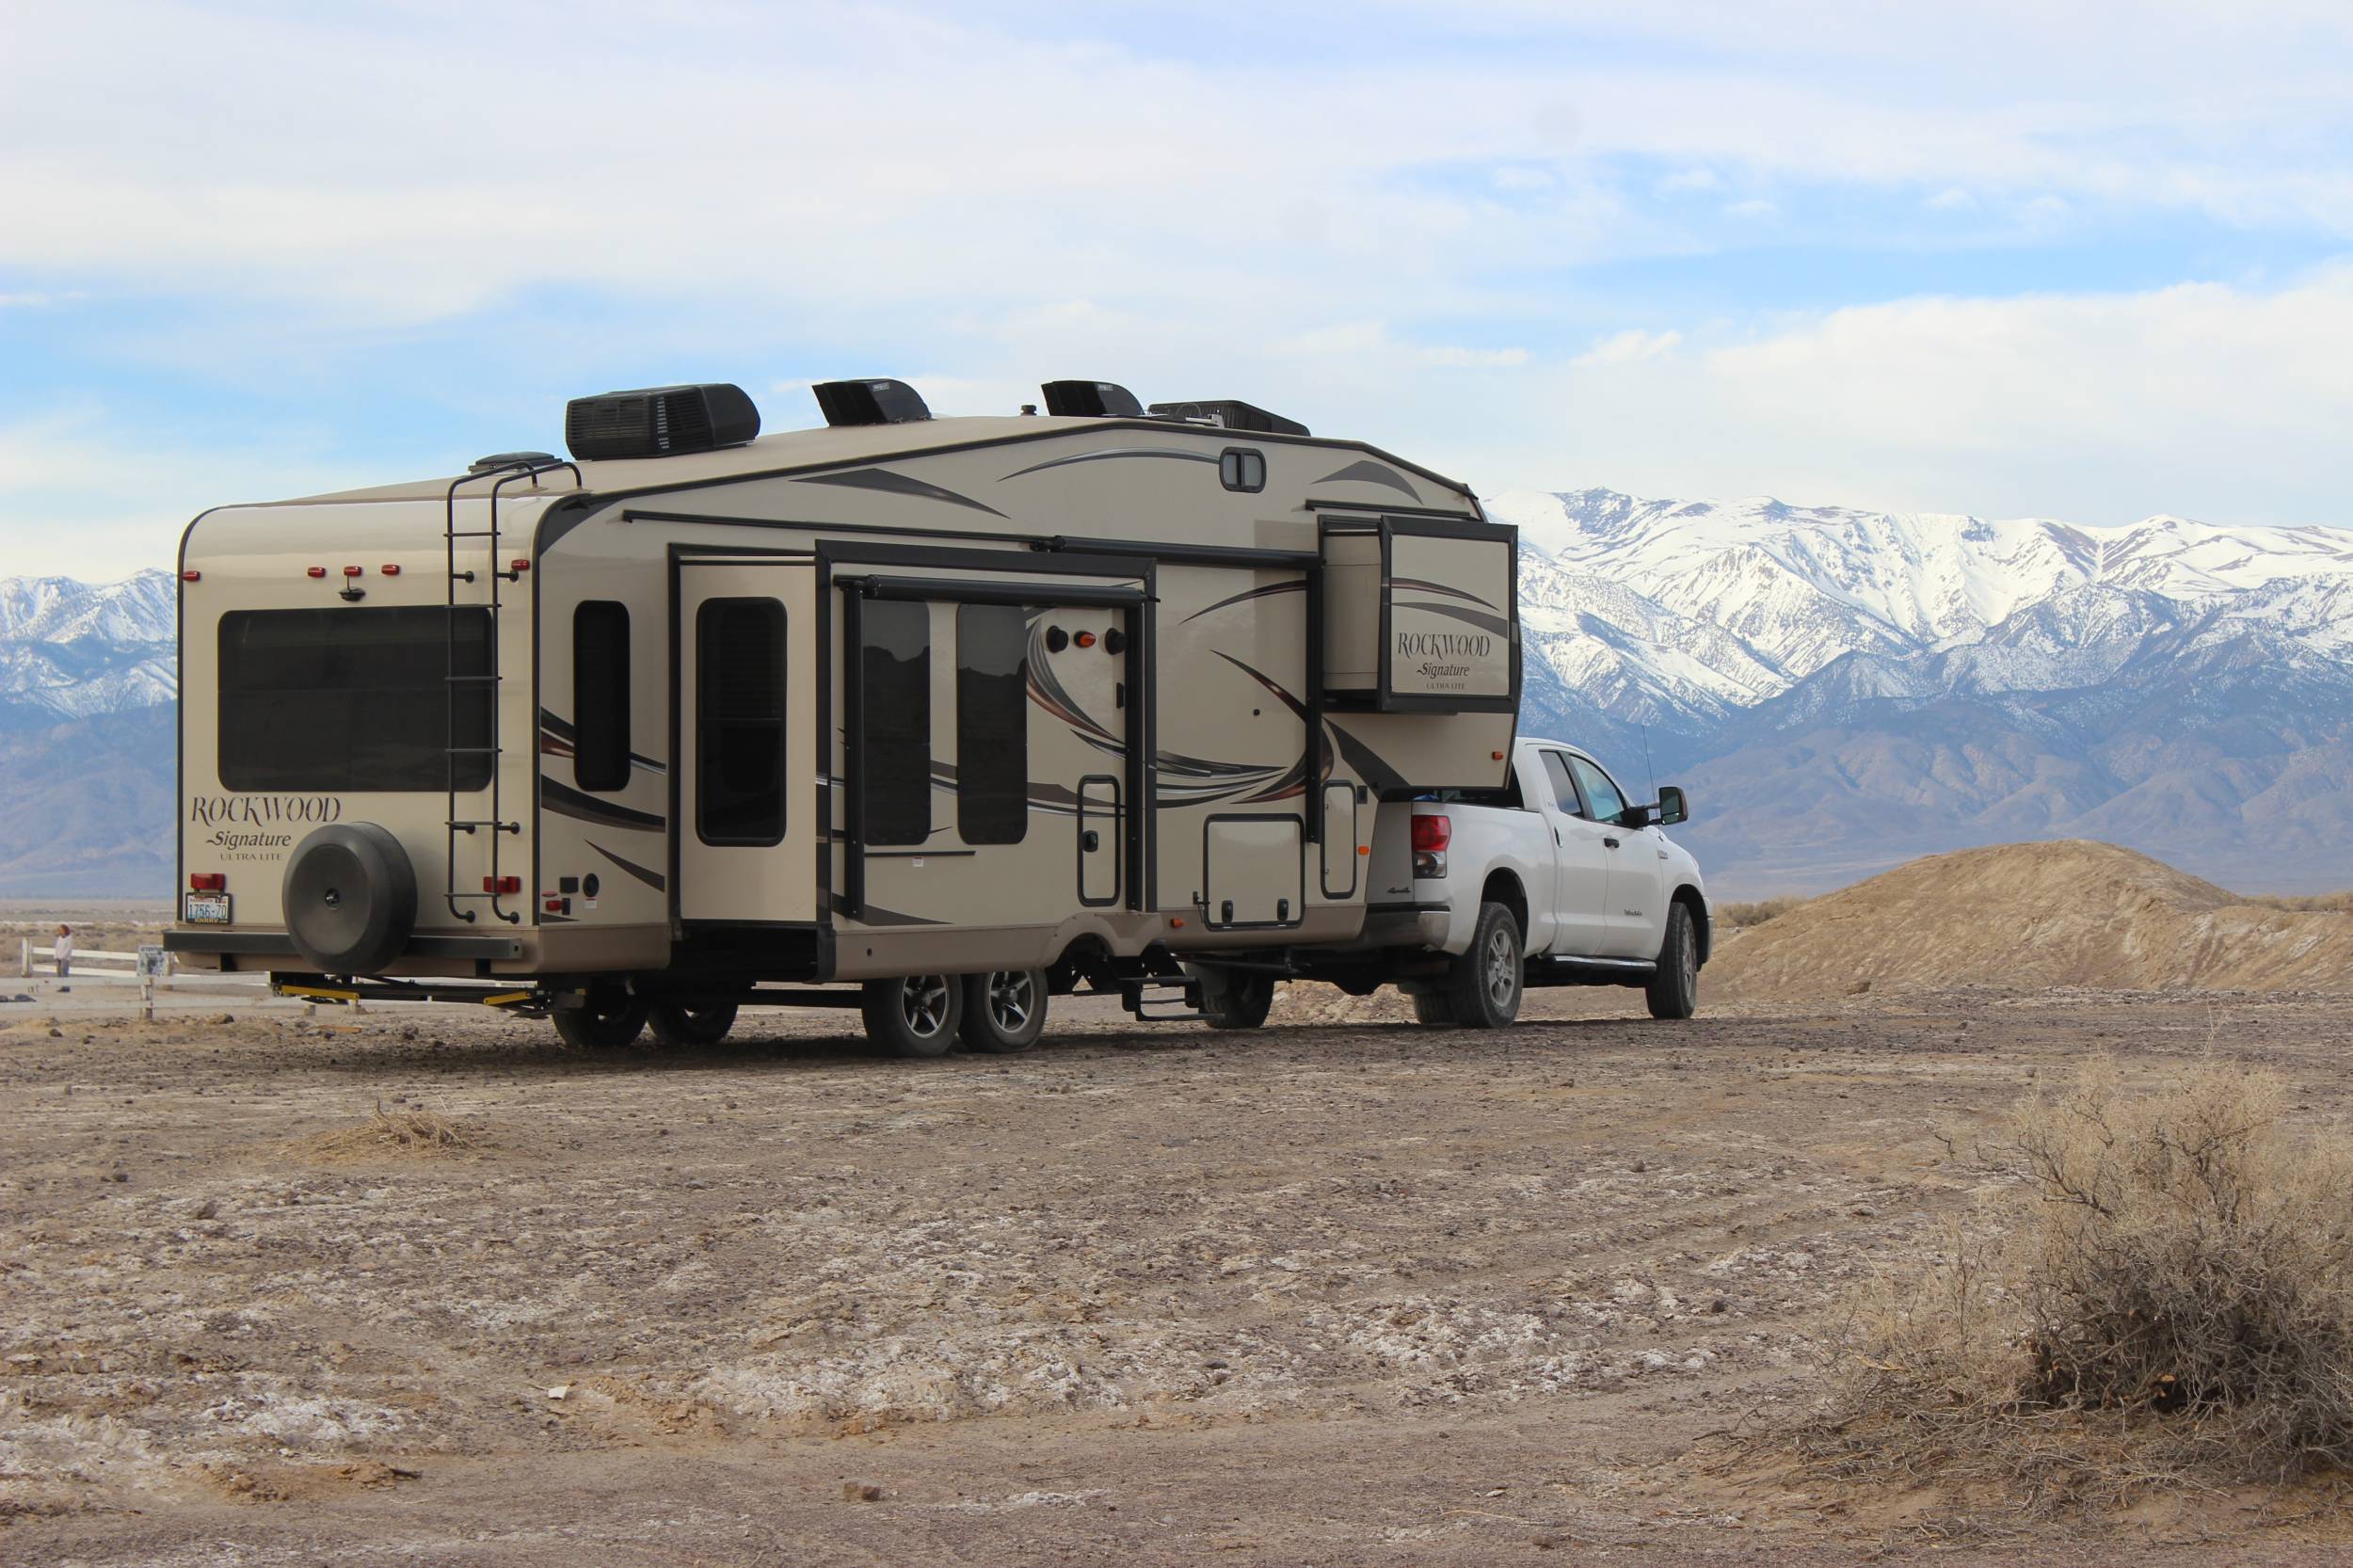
(1432, 834)
(208, 882)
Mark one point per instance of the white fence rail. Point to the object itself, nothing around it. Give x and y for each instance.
(96, 963)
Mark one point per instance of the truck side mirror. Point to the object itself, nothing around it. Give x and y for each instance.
(1673, 808)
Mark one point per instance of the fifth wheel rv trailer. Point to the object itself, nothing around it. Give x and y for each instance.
(966, 712)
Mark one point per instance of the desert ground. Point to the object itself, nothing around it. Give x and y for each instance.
(420, 1284)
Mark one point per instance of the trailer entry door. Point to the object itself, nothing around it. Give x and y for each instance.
(747, 742)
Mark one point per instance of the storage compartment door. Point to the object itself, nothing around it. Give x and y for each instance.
(746, 807)
(1339, 840)
(1253, 869)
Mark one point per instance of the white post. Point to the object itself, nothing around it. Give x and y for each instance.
(24, 961)
(147, 997)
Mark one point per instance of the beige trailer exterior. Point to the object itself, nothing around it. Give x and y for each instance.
(934, 697)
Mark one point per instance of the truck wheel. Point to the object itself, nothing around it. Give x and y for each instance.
(675, 1023)
(1235, 998)
(914, 1016)
(608, 1020)
(1484, 990)
(1674, 991)
(1432, 1007)
(1004, 1011)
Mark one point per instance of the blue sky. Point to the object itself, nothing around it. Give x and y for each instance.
(2073, 260)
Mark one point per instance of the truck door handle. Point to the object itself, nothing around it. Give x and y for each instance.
(1611, 842)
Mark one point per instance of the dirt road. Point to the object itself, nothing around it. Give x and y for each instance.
(1346, 1293)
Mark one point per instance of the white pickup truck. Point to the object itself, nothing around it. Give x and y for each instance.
(1555, 878)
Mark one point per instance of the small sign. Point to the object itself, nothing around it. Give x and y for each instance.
(153, 964)
(205, 908)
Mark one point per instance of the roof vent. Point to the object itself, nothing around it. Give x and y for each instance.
(659, 422)
(875, 401)
(1233, 414)
(1091, 400)
(498, 460)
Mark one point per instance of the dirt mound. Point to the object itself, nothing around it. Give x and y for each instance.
(2067, 913)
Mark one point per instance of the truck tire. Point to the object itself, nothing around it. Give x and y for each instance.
(1432, 1007)
(1004, 1011)
(678, 1023)
(1483, 992)
(608, 1020)
(915, 1015)
(350, 898)
(1235, 998)
(1674, 991)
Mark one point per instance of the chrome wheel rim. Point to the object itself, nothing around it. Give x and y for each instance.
(1011, 999)
(1503, 976)
(924, 1003)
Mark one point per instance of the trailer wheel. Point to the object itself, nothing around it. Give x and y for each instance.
(1235, 998)
(916, 1015)
(1674, 991)
(1004, 1011)
(677, 1024)
(610, 1020)
(1432, 1007)
(1483, 992)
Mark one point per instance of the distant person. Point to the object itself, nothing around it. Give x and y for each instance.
(63, 951)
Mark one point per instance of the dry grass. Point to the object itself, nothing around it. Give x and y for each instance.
(412, 1133)
(2168, 1304)
(2306, 903)
(1734, 917)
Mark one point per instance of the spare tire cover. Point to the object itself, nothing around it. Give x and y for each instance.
(350, 898)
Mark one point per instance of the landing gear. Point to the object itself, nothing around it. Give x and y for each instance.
(917, 1016)
(1004, 1011)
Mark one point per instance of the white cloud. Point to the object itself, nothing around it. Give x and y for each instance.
(2203, 398)
(1473, 358)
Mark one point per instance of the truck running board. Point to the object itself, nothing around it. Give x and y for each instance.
(1548, 970)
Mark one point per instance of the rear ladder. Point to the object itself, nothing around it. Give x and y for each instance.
(522, 466)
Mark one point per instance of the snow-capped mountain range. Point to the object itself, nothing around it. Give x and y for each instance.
(1839, 689)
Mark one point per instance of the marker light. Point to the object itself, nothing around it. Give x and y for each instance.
(1084, 639)
(353, 572)
(390, 569)
(316, 571)
(191, 576)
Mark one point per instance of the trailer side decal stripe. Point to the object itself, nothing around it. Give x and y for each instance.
(651, 879)
(1297, 586)
(564, 801)
(898, 483)
(1110, 452)
(1367, 471)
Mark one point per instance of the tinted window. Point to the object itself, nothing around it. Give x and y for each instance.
(1565, 793)
(600, 694)
(896, 770)
(739, 721)
(1607, 804)
(992, 723)
(349, 700)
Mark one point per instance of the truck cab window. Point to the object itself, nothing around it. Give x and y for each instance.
(1563, 792)
(1608, 803)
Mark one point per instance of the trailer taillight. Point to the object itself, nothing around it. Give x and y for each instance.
(502, 883)
(208, 882)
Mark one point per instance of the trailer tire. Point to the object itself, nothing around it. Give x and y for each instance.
(677, 1023)
(1235, 998)
(610, 1020)
(350, 898)
(1004, 1011)
(1483, 992)
(1674, 991)
(1433, 1008)
(916, 1014)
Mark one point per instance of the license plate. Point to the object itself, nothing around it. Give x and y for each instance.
(205, 908)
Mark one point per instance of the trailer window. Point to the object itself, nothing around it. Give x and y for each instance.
(992, 723)
(347, 700)
(739, 721)
(600, 694)
(895, 765)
